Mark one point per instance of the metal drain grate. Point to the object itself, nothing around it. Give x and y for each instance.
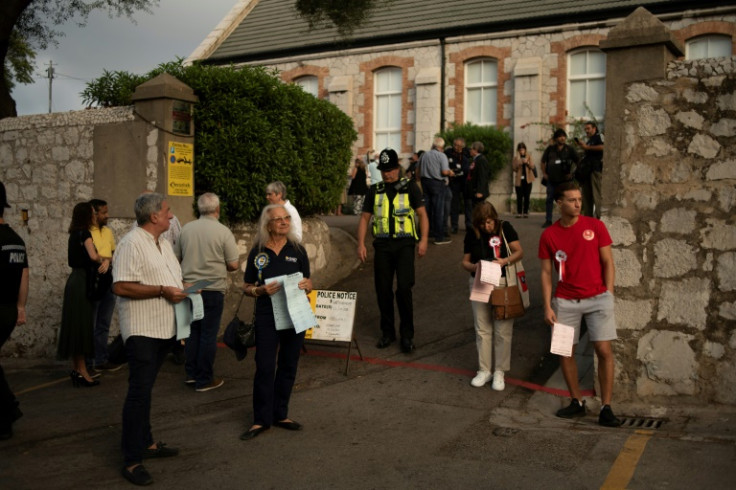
(641, 423)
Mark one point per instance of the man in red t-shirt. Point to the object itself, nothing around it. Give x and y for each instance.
(580, 249)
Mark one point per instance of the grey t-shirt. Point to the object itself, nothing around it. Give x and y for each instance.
(204, 248)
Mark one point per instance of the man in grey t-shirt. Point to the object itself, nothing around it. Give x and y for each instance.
(207, 251)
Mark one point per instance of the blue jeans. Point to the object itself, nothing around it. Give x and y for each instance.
(274, 378)
(145, 356)
(201, 346)
(434, 193)
(102, 315)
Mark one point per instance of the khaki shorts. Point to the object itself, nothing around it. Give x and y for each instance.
(597, 311)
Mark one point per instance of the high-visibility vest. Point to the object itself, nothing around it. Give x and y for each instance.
(402, 215)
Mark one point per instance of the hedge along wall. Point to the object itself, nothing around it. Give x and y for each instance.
(47, 165)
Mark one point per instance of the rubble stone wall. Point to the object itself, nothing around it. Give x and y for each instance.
(674, 233)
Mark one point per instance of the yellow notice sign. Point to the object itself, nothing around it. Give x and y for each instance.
(181, 169)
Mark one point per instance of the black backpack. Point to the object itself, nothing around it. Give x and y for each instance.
(558, 172)
(583, 170)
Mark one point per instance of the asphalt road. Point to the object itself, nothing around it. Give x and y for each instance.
(396, 421)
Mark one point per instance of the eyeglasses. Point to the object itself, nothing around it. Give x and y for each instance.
(281, 219)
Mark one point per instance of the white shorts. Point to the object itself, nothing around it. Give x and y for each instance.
(597, 311)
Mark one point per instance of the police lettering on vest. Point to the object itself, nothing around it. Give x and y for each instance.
(395, 218)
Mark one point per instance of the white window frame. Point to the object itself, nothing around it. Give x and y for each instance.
(387, 127)
(709, 39)
(308, 83)
(489, 110)
(587, 77)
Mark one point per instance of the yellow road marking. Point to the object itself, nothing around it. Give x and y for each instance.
(625, 464)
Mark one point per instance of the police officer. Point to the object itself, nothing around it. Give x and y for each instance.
(399, 221)
(13, 295)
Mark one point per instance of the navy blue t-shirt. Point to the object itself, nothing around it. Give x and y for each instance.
(291, 259)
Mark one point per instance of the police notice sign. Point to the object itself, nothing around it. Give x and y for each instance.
(335, 314)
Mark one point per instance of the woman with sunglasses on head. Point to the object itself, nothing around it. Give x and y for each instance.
(487, 240)
(276, 252)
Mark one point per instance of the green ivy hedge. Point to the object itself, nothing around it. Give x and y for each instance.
(252, 129)
(496, 142)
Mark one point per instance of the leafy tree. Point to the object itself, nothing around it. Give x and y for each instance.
(113, 88)
(497, 143)
(19, 62)
(252, 129)
(27, 25)
(344, 14)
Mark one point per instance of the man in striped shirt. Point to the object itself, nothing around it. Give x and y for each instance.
(148, 280)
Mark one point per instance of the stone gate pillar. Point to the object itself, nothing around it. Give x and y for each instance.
(637, 49)
(154, 152)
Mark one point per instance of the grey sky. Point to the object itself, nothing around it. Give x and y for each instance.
(174, 29)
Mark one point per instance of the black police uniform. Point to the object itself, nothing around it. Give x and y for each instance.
(13, 259)
(395, 256)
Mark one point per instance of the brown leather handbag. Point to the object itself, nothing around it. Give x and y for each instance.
(508, 302)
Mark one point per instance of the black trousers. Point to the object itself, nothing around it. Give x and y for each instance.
(457, 186)
(277, 359)
(145, 356)
(523, 192)
(395, 257)
(8, 317)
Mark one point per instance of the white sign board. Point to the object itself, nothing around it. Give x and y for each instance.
(335, 313)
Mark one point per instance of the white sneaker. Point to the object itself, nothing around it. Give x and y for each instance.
(480, 379)
(498, 382)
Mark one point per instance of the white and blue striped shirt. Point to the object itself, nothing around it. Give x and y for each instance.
(138, 259)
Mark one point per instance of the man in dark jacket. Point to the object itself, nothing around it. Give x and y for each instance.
(557, 167)
(593, 159)
(476, 187)
(458, 159)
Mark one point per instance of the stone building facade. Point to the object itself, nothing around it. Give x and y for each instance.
(531, 65)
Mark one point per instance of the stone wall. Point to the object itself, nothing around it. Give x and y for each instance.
(674, 234)
(47, 166)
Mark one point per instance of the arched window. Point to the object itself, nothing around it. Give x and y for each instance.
(481, 92)
(387, 108)
(586, 89)
(711, 46)
(309, 84)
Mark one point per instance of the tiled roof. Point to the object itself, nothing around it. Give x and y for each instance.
(274, 28)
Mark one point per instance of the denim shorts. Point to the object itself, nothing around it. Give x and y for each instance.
(597, 311)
